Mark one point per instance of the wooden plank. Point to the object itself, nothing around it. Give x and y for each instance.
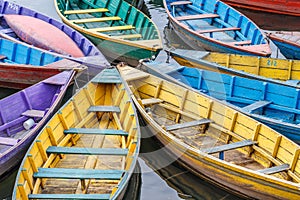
(95, 19)
(70, 196)
(228, 147)
(85, 11)
(95, 131)
(194, 17)
(219, 30)
(136, 76)
(256, 105)
(129, 36)
(240, 42)
(69, 173)
(177, 3)
(104, 109)
(112, 28)
(188, 124)
(275, 169)
(34, 113)
(8, 141)
(87, 151)
(151, 101)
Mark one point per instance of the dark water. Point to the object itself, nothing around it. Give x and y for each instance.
(159, 176)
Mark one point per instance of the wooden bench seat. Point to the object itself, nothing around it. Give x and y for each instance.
(87, 151)
(66, 173)
(95, 19)
(104, 109)
(226, 147)
(188, 124)
(219, 30)
(112, 28)
(178, 3)
(8, 141)
(34, 113)
(13, 123)
(275, 169)
(256, 105)
(85, 11)
(70, 196)
(95, 131)
(245, 42)
(129, 36)
(151, 101)
(194, 17)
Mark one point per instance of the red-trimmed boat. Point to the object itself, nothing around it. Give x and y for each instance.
(286, 7)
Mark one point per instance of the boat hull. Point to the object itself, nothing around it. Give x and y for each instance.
(199, 43)
(291, 7)
(12, 156)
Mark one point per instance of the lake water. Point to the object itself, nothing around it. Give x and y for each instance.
(160, 176)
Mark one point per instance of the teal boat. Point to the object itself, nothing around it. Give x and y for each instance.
(119, 30)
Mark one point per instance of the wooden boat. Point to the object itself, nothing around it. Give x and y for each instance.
(198, 130)
(24, 113)
(215, 26)
(88, 149)
(27, 65)
(286, 7)
(19, 23)
(273, 104)
(282, 71)
(287, 42)
(120, 31)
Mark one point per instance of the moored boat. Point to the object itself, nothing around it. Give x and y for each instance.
(119, 30)
(24, 113)
(88, 149)
(283, 71)
(215, 141)
(286, 7)
(27, 65)
(215, 26)
(22, 24)
(273, 104)
(288, 43)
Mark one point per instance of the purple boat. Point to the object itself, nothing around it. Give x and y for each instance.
(24, 113)
(14, 17)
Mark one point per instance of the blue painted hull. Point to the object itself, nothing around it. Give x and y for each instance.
(215, 26)
(281, 111)
(288, 50)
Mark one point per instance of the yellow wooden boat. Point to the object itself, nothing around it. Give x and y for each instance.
(279, 70)
(89, 148)
(215, 141)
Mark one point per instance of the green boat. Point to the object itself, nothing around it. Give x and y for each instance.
(119, 30)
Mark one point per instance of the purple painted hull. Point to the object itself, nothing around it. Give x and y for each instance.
(87, 47)
(36, 103)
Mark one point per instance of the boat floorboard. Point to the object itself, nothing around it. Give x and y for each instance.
(201, 140)
(63, 186)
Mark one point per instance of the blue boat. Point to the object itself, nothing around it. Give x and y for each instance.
(215, 26)
(13, 17)
(274, 104)
(287, 42)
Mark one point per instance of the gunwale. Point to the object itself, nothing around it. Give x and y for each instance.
(101, 90)
(154, 45)
(186, 32)
(240, 179)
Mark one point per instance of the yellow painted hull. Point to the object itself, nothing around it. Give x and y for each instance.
(235, 64)
(162, 103)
